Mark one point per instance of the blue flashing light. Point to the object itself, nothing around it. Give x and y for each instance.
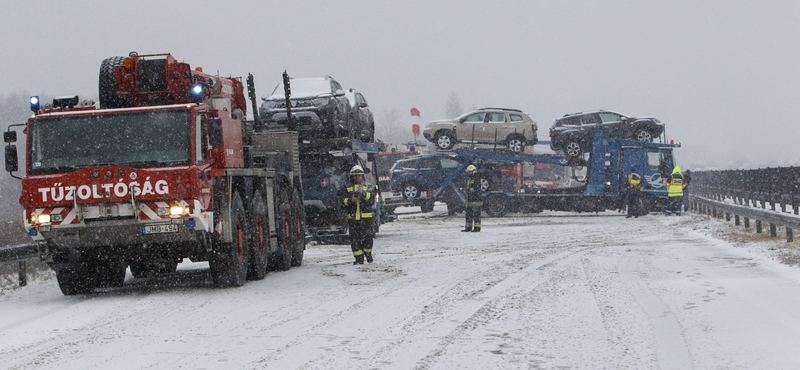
(191, 223)
(33, 232)
(35, 104)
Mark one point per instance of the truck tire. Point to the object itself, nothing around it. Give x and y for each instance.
(496, 205)
(230, 262)
(74, 281)
(298, 231)
(108, 85)
(515, 143)
(259, 253)
(282, 259)
(110, 273)
(445, 140)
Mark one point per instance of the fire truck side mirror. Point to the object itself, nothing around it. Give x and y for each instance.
(215, 131)
(11, 158)
(10, 136)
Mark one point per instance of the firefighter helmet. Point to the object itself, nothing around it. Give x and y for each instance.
(356, 170)
(472, 169)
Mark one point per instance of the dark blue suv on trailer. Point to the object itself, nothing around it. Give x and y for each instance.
(417, 177)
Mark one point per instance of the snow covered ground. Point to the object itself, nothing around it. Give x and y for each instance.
(549, 291)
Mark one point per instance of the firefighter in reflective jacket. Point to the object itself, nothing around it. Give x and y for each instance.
(358, 200)
(675, 187)
(634, 179)
(474, 200)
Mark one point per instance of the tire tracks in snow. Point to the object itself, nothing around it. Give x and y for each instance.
(427, 342)
(671, 350)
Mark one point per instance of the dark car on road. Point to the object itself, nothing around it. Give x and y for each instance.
(573, 133)
(319, 105)
(415, 178)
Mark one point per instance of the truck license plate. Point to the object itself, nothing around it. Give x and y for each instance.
(155, 229)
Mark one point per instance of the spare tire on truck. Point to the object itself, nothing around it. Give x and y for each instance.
(108, 85)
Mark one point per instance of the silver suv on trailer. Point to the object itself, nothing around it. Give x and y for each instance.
(509, 127)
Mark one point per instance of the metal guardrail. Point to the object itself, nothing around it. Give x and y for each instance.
(718, 208)
(20, 254)
(777, 187)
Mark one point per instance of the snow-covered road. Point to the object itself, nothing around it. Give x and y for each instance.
(551, 291)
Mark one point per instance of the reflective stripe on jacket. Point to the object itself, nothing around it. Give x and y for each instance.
(365, 200)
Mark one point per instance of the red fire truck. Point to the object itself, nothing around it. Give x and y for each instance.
(165, 168)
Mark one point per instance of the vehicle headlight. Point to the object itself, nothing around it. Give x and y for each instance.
(178, 210)
(271, 104)
(43, 219)
(57, 217)
(318, 102)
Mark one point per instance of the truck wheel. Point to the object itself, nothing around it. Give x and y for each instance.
(410, 191)
(282, 259)
(110, 273)
(74, 281)
(573, 148)
(108, 85)
(229, 265)
(259, 253)
(516, 143)
(445, 140)
(299, 246)
(496, 205)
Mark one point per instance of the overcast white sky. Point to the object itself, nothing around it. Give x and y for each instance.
(723, 75)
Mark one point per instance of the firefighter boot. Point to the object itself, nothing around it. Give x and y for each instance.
(359, 260)
(466, 229)
(369, 257)
(476, 229)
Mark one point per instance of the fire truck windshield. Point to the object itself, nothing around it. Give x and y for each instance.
(136, 139)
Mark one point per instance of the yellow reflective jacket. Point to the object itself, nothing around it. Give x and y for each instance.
(634, 179)
(675, 184)
(362, 207)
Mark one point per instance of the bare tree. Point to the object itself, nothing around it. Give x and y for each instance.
(390, 128)
(453, 108)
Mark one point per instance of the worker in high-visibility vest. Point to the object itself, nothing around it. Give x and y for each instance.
(675, 187)
(358, 200)
(634, 180)
(474, 200)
